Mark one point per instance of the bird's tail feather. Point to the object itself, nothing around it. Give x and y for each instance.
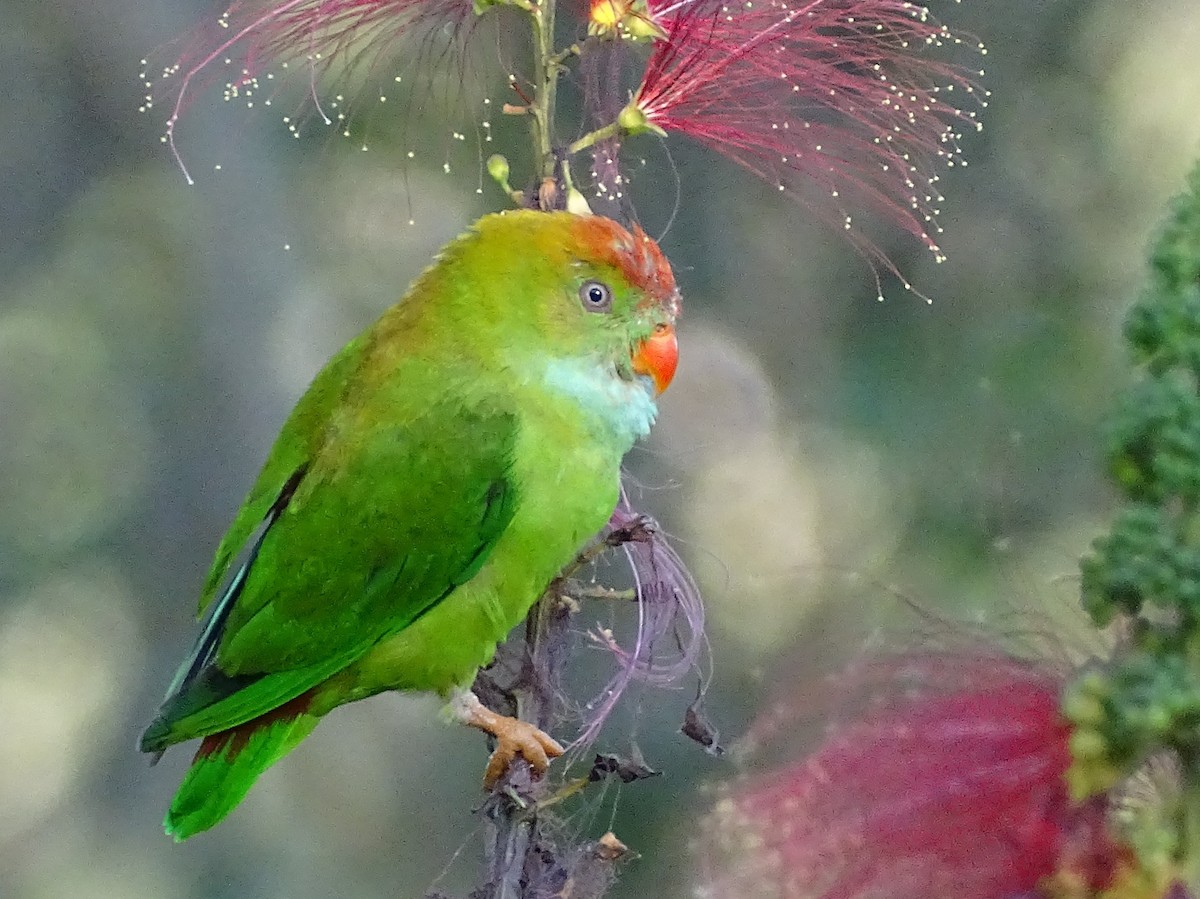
(228, 763)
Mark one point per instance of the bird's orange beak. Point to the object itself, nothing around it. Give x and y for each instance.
(657, 356)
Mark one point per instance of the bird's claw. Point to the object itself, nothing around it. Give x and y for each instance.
(513, 737)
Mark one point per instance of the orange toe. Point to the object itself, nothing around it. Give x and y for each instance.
(513, 737)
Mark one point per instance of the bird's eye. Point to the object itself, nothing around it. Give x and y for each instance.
(596, 296)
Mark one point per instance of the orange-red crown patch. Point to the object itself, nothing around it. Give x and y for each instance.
(635, 254)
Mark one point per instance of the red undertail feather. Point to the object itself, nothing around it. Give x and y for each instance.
(228, 763)
(231, 742)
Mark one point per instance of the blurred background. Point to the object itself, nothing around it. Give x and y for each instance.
(820, 456)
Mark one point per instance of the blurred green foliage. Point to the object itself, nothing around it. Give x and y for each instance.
(1146, 570)
(816, 446)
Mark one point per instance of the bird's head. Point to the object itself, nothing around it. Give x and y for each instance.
(580, 288)
(627, 290)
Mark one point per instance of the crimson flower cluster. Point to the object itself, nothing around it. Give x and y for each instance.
(845, 102)
(254, 44)
(949, 781)
(849, 105)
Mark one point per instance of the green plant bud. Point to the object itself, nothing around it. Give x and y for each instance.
(1083, 708)
(1087, 744)
(633, 121)
(497, 167)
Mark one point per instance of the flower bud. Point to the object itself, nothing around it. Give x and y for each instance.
(633, 120)
(497, 167)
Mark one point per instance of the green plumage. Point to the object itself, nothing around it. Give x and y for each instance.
(437, 474)
(221, 777)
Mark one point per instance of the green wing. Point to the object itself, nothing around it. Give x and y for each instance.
(369, 516)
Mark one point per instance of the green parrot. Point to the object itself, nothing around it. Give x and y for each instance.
(438, 473)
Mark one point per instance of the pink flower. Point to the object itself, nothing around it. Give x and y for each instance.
(255, 42)
(840, 100)
(951, 784)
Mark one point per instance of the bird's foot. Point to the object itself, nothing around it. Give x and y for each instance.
(512, 736)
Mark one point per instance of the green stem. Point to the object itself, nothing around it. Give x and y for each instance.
(545, 75)
(563, 55)
(593, 137)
